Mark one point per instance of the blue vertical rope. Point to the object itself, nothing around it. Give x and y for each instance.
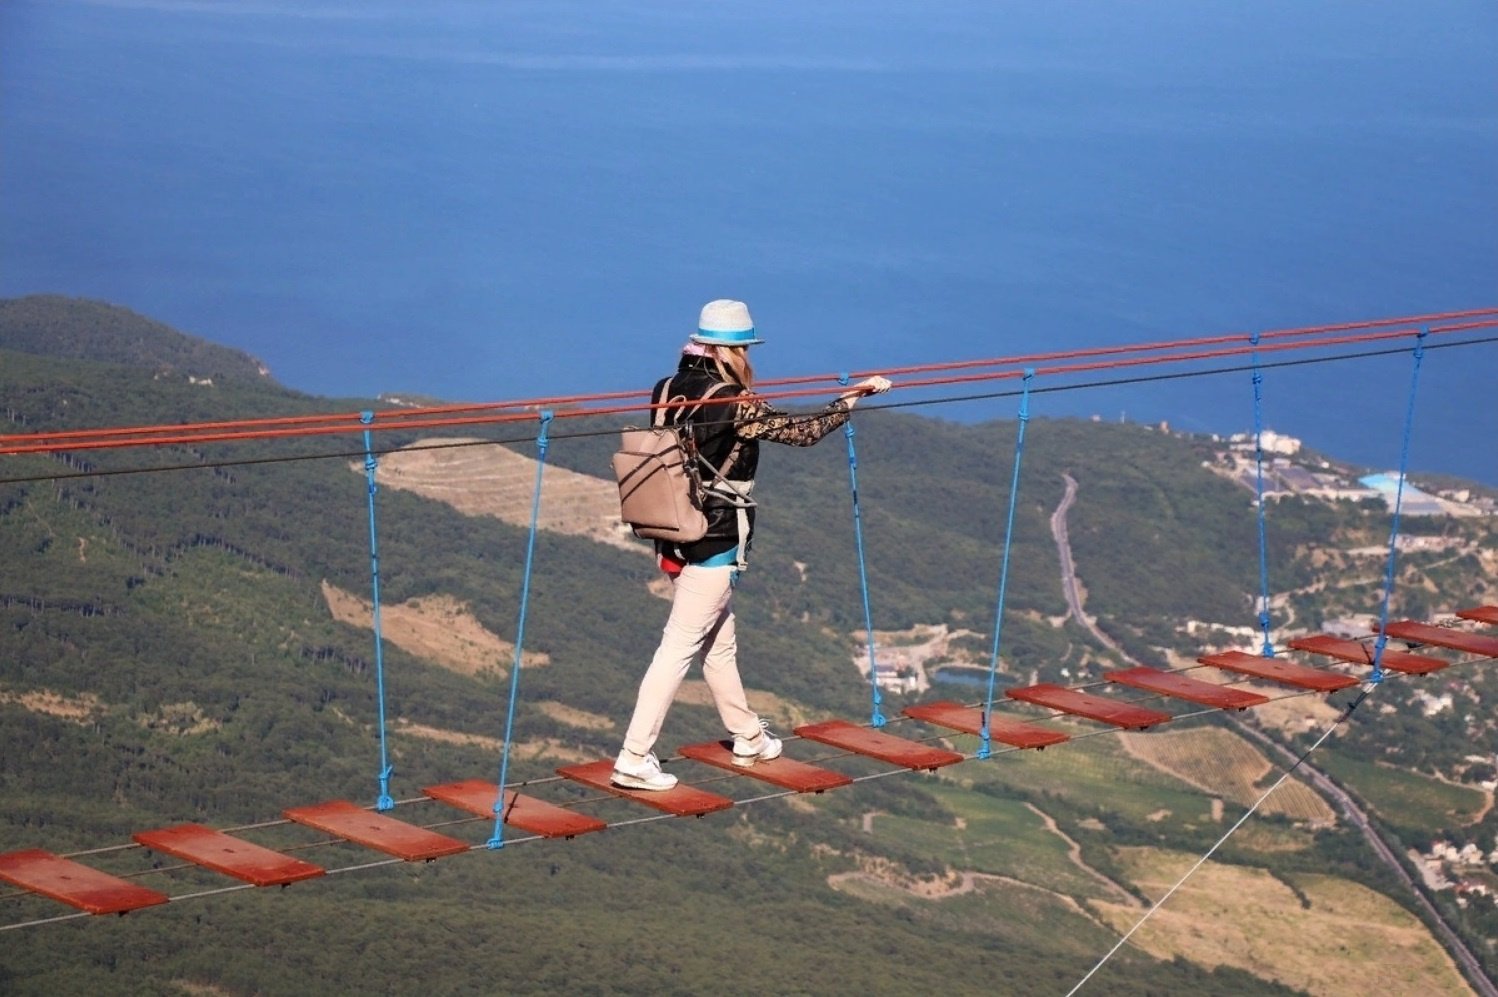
(1268, 650)
(542, 443)
(876, 718)
(1404, 460)
(998, 622)
(383, 801)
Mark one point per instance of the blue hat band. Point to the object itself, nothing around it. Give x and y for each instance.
(737, 337)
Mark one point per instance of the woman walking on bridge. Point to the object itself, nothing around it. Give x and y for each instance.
(715, 361)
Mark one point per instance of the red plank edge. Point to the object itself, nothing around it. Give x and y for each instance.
(1109, 711)
(1457, 640)
(969, 720)
(231, 856)
(1279, 670)
(74, 884)
(375, 830)
(787, 773)
(683, 801)
(1359, 653)
(477, 796)
(1481, 614)
(1192, 690)
(876, 744)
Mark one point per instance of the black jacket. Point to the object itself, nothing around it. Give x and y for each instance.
(714, 428)
(717, 428)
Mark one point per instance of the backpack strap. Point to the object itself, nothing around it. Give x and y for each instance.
(721, 470)
(683, 415)
(661, 417)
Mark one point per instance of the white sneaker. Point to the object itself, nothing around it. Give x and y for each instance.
(760, 747)
(643, 774)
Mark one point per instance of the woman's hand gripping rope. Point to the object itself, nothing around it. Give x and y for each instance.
(872, 386)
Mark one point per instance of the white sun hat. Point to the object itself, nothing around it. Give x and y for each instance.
(725, 323)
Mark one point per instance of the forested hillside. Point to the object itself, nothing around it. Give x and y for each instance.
(168, 653)
(80, 329)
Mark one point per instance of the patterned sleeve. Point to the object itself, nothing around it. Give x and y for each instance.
(758, 420)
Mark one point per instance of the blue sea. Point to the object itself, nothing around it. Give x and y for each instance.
(509, 198)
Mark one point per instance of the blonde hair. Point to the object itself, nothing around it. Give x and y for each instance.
(733, 364)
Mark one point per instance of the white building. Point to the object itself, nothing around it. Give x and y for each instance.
(1272, 442)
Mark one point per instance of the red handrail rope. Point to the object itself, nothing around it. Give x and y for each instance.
(294, 420)
(262, 434)
(411, 423)
(416, 412)
(1247, 348)
(419, 418)
(1464, 326)
(1034, 358)
(1370, 323)
(408, 422)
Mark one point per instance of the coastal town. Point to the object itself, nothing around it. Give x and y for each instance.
(1288, 469)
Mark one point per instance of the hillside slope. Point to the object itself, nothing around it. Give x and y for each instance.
(184, 643)
(80, 329)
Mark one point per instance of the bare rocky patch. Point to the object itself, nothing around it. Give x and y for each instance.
(660, 587)
(199, 989)
(546, 747)
(573, 717)
(181, 719)
(784, 712)
(78, 709)
(478, 478)
(436, 628)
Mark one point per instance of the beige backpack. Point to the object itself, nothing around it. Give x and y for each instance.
(659, 471)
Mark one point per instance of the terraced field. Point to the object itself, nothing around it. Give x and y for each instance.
(1005, 838)
(1403, 798)
(1095, 772)
(489, 480)
(1348, 940)
(1221, 763)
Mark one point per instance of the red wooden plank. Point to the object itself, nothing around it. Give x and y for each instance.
(1109, 711)
(1185, 687)
(787, 773)
(876, 744)
(1360, 653)
(229, 855)
(1279, 670)
(1458, 640)
(969, 720)
(375, 830)
(74, 884)
(683, 801)
(1482, 614)
(477, 796)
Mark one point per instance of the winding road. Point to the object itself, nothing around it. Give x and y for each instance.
(1356, 816)
(1069, 587)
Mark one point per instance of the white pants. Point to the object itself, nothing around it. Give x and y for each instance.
(700, 628)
